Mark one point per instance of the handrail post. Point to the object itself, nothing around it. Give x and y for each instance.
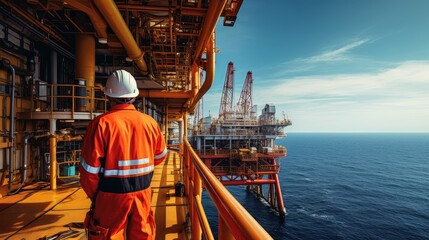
(235, 221)
(192, 203)
(223, 230)
(186, 171)
(196, 231)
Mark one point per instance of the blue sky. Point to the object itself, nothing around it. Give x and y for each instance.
(331, 65)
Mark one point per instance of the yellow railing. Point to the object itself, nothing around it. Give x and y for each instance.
(234, 220)
(68, 97)
(66, 161)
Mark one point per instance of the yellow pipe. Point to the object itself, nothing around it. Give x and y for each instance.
(195, 79)
(210, 69)
(114, 18)
(85, 58)
(215, 10)
(185, 125)
(85, 62)
(165, 94)
(53, 161)
(97, 21)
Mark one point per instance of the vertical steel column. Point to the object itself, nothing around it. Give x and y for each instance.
(271, 194)
(281, 206)
(166, 123)
(54, 77)
(53, 161)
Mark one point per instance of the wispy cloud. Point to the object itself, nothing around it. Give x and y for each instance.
(342, 54)
(337, 54)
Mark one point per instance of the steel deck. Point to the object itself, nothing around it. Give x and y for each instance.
(37, 212)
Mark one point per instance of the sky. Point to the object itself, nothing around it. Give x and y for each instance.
(331, 65)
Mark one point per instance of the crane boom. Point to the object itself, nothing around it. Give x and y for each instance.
(245, 104)
(226, 109)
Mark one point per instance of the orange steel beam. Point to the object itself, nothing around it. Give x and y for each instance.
(241, 224)
(248, 182)
(165, 94)
(184, 10)
(280, 203)
(114, 18)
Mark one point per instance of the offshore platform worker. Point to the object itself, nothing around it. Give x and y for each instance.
(120, 150)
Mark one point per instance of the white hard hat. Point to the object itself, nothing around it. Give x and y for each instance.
(121, 84)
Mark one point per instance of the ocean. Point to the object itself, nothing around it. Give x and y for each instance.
(347, 186)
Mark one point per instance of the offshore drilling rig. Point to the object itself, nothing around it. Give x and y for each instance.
(238, 147)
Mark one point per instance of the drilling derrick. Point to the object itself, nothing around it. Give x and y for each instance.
(226, 109)
(239, 148)
(245, 104)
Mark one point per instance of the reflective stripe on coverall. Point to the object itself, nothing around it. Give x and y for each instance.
(119, 153)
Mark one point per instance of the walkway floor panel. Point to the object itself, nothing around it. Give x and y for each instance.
(37, 212)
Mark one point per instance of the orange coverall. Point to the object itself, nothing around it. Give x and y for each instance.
(120, 150)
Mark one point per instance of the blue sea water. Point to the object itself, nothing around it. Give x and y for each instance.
(348, 186)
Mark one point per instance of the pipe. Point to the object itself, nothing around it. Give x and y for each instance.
(85, 58)
(24, 164)
(210, 69)
(114, 18)
(196, 79)
(85, 68)
(12, 127)
(99, 24)
(215, 10)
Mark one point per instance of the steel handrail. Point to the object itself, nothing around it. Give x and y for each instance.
(51, 95)
(239, 223)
